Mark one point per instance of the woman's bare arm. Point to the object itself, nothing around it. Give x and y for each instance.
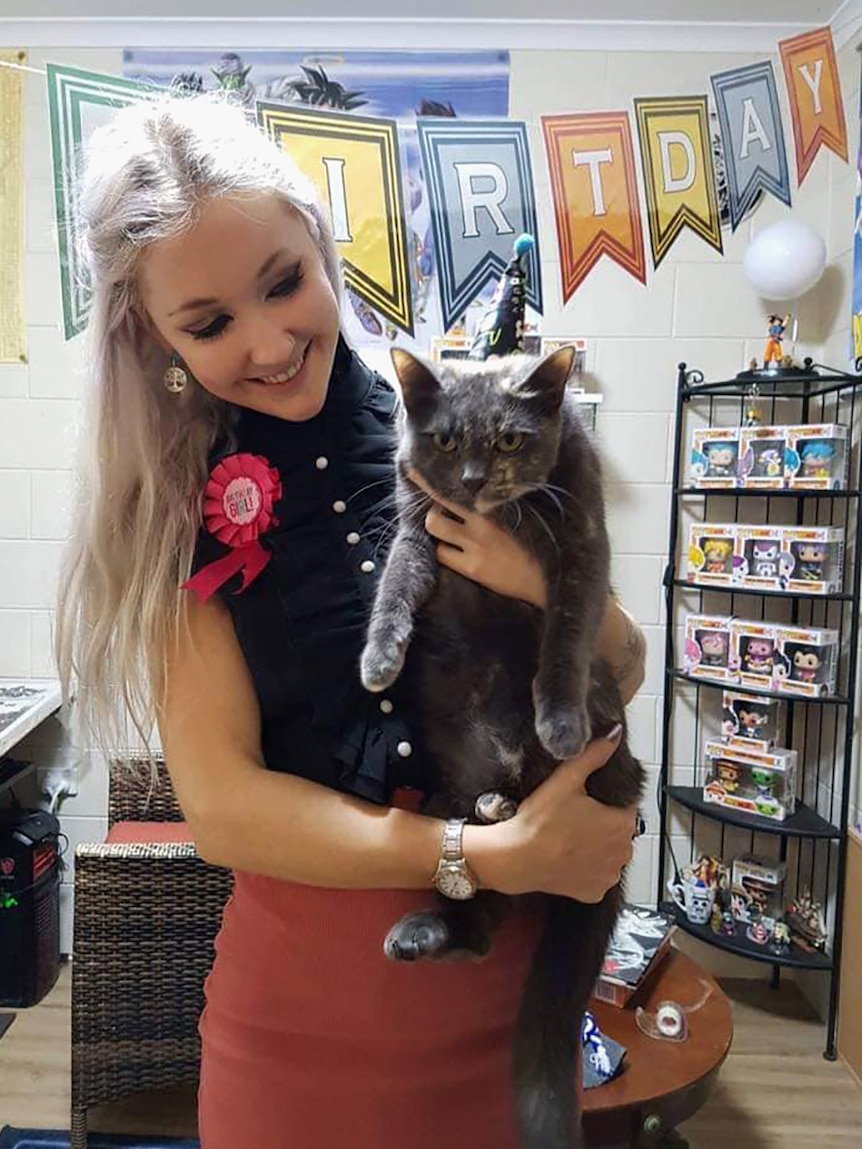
(622, 645)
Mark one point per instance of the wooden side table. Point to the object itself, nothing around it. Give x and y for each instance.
(663, 1082)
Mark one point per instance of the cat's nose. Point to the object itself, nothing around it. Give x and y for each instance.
(473, 484)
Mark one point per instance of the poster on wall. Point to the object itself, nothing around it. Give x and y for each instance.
(78, 103)
(394, 85)
(814, 92)
(12, 333)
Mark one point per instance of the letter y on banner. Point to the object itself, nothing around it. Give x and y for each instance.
(591, 161)
(814, 91)
(480, 192)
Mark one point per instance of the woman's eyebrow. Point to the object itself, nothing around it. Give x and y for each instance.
(196, 303)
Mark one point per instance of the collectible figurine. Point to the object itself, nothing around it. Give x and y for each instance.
(810, 560)
(768, 463)
(816, 458)
(773, 354)
(780, 943)
(806, 923)
(728, 776)
(728, 924)
(764, 780)
(759, 656)
(806, 664)
(720, 459)
(714, 645)
(765, 558)
(719, 556)
(757, 932)
(752, 717)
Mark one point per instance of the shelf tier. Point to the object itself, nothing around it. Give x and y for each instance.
(686, 585)
(811, 382)
(827, 700)
(804, 823)
(749, 493)
(797, 958)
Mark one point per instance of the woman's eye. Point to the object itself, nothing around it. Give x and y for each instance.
(213, 329)
(510, 441)
(443, 441)
(289, 284)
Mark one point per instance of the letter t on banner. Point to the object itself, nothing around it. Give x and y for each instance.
(814, 91)
(591, 162)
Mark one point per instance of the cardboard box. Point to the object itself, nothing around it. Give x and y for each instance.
(761, 457)
(752, 653)
(757, 782)
(749, 721)
(757, 889)
(758, 557)
(817, 457)
(714, 457)
(711, 554)
(707, 647)
(812, 559)
(806, 661)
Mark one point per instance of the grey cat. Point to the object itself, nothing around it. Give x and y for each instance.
(505, 690)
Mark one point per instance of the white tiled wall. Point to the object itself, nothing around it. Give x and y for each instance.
(697, 308)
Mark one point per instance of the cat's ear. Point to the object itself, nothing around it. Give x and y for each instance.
(546, 383)
(420, 387)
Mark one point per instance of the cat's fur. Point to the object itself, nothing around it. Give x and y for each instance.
(505, 690)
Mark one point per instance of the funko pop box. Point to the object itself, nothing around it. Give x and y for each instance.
(817, 457)
(707, 647)
(711, 553)
(757, 888)
(750, 721)
(812, 559)
(757, 782)
(714, 457)
(761, 457)
(806, 661)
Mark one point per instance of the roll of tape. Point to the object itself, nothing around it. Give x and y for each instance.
(670, 1019)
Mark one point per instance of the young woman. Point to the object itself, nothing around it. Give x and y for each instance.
(236, 438)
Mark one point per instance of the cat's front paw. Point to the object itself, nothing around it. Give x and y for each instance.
(564, 731)
(417, 936)
(381, 664)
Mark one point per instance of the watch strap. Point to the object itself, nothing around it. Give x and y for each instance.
(452, 849)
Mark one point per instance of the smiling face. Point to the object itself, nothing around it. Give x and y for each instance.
(245, 301)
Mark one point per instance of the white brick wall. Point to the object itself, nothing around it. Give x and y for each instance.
(697, 308)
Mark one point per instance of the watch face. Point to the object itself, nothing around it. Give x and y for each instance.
(455, 884)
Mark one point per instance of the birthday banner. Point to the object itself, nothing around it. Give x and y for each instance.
(592, 167)
(676, 153)
(814, 92)
(353, 161)
(12, 332)
(746, 101)
(480, 187)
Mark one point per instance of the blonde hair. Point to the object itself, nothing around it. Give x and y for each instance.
(144, 462)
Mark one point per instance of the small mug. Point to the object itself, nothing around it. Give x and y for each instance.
(693, 898)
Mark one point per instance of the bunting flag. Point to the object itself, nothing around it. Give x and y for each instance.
(755, 160)
(12, 332)
(592, 167)
(480, 189)
(354, 163)
(814, 92)
(79, 102)
(679, 180)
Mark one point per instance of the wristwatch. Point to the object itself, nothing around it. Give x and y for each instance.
(453, 877)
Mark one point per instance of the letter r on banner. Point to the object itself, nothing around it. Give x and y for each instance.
(474, 197)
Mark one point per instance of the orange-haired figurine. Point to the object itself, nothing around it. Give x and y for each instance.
(773, 352)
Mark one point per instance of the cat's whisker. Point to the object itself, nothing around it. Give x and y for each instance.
(537, 515)
(367, 487)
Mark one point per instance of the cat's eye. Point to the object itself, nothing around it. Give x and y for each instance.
(510, 441)
(443, 441)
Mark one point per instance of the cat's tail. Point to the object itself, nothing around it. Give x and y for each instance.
(548, 1034)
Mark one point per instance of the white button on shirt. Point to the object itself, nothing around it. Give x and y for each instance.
(339, 506)
(386, 706)
(353, 538)
(405, 749)
(321, 462)
(367, 567)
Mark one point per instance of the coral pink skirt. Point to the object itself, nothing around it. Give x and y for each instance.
(313, 1040)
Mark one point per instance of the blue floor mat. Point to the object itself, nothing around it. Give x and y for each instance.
(58, 1139)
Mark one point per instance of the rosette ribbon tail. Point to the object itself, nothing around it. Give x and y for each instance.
(248, 560)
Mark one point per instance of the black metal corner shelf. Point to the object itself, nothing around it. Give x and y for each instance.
(820, 729)
(708, 588)
(715, 684)
(740, 945)
(804, 822)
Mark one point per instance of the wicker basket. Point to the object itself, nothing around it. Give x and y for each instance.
(146, 915)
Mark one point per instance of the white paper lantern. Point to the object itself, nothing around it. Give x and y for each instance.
(785, 260)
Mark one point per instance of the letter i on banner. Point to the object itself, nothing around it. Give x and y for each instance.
(814, 92)
(591, 163)
(679, 179)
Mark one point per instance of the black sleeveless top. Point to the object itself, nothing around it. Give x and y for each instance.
(301, 622)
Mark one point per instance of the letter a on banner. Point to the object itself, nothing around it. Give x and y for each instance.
(679, 180)
(592, 166)
(480, 192)
(746, 100)
(814, 91)
(354, 163)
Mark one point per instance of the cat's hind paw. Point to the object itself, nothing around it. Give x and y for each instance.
(380, 666)
(564, 731)
(493, 807)
(417, 936)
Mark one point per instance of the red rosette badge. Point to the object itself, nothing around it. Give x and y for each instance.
(237, 509)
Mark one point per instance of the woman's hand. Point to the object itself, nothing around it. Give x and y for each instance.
(561, 841)
(477, 547)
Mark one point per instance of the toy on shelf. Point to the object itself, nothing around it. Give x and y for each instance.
(816, 457)
(804, 917)
(749, 721)
(758, 557)
(711, 554)
(757, 893)
(754, 781)
(715, 457)
(773, 353)
(806, 661)
(752, 653)
(761, 457)
(707, 647)
(812, 559)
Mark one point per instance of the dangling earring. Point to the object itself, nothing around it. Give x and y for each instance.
(175, 377)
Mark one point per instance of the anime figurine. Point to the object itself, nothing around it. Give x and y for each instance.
(720, 459)
(765, 559)
(759, 656)
(728, 776)
(751, 719)
(764, 780)
(810, 559)
(757, 932)
(769, 463)
(816, 458)
(728, 924)
(719, 555)
(806, 923)
(773, 353)
(780, 942)
(714, 646)
(806, 663)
